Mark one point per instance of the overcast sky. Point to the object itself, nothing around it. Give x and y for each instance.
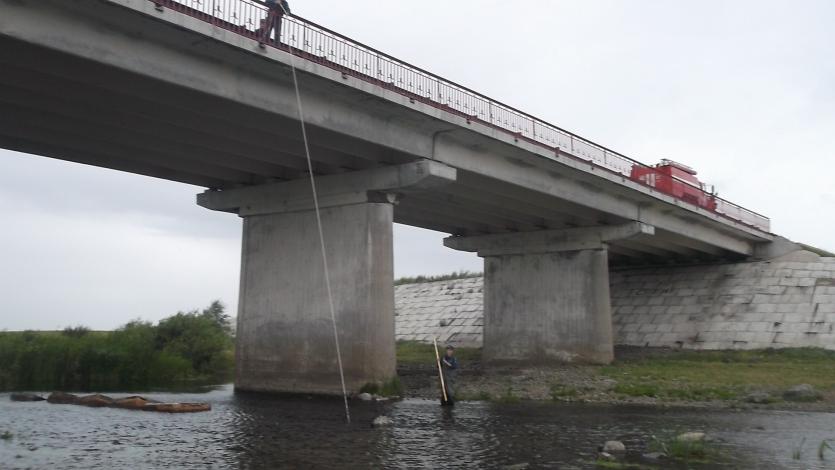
(743, 91)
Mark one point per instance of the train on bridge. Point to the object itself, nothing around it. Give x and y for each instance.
(677, 180)
(680, 181)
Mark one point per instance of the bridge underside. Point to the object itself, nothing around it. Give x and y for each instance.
(122, 85)
(71, 108)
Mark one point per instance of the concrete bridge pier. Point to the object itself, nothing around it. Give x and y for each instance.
(285, 339)
(546, 294)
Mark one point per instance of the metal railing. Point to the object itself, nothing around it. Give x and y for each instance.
(321, 45)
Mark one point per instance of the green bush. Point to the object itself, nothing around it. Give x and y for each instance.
(186, 346)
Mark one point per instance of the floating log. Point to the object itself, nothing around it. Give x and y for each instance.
(134, 402)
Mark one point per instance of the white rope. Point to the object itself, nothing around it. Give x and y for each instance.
(321, 233)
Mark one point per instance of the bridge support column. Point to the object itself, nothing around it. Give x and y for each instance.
(546, 294)
(285, 340)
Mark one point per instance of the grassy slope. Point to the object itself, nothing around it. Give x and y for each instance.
(671, 375)
(706, 375)
(414, 353)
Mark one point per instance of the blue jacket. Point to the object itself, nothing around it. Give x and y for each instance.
(449, 363)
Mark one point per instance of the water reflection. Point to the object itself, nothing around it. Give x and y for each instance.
(255, 432)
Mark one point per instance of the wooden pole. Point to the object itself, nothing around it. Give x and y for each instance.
(440, 371)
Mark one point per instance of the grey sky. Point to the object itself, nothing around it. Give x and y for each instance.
(743, 91)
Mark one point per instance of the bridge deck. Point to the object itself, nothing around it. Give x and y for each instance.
(190, 97)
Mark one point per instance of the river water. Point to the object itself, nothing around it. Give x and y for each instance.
(253, 432)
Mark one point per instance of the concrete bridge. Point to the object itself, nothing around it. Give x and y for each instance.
(191, 92)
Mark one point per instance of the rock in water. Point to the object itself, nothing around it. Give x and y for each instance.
(26, 397)
(759, 398)
(802, 392)
(365, 396)
(612, 447)
(606, 456)
(95, 400)
(381, 421)
(517, 466)
(691, 437)
(654, 456)
(62, 398)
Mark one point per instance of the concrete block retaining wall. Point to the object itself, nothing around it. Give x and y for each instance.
(786, 302)
(448, 310)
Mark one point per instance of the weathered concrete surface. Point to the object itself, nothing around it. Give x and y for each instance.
(784, 302)
(546, 293)
(285, 339)
(552, 307)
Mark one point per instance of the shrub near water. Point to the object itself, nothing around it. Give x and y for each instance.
(185, 346)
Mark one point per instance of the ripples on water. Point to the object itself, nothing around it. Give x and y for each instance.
(249, 432)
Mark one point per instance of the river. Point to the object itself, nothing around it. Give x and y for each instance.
(255, 432)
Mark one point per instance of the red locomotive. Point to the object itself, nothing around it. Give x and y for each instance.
(677, 180)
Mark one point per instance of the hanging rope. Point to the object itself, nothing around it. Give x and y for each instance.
(319, 226)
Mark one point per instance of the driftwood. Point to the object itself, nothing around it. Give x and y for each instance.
(129, 403)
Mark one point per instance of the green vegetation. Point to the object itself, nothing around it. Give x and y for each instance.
(823, 447)
(390, 388)
(686, 451)
(797, 452)
(441, 277)
(615, 465)
(563, 392)
(508, 396)
(188, 346)
(417, 353)
(722, 375)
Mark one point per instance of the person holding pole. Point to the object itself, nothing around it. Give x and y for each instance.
(276, 10)
(450, 367)
(447, 368)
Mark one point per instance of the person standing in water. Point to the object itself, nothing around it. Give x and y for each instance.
(449, 366)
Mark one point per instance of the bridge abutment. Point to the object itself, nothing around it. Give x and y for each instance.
(546, 294)
(285, 338)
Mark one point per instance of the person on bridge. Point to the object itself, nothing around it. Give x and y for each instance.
(277, 10)
(449, 365)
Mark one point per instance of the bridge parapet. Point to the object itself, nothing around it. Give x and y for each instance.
(316, 43)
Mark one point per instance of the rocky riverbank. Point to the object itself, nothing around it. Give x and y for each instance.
(784, 380)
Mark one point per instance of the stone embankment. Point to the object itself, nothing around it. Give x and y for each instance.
(784, 302)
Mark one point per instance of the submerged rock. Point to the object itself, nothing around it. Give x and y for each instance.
(62, 398)
(802, 392)
(517, 466)
(613, 447)
(380, 421)
(654, 456)
(691, 437)
(759, 398)
(606, 456)
(26, 397)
